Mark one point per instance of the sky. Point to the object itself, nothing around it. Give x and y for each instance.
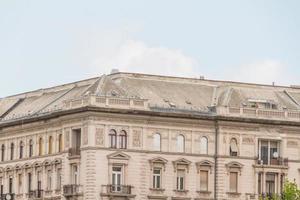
(44, 43)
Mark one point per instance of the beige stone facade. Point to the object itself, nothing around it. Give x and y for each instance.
(134, 136)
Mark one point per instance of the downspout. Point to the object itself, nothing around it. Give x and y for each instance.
(216, 157)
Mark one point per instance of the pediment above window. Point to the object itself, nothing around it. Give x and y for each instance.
(18, 167)
(181, 163)
(118, 156)
(204, 165)
(47, 163)
(158, 162)
(37, 164)
(234, 167)
(27, 166)
(57, 161)
(8, 168)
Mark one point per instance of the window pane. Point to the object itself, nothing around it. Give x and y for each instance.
(233, 181)
(203, 145)
(180, 143)
(203, 180)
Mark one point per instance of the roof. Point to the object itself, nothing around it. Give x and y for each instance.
(160, 92)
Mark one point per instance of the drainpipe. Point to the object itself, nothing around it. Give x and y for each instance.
(216, 157)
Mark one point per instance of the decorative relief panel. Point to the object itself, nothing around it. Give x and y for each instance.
(136, 137)
(248, 140)
(99, 136)
(85, 135)
(67, 138)
(292, 143)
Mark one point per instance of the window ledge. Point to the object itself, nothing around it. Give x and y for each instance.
(204, 192)
(233, 193)
(181, 191)
(157, 189)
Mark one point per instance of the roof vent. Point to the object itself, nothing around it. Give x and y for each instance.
(114, 71)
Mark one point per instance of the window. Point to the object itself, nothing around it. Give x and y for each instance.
(156, 142)
(60, 143)
(1, 186)
(2, 152)
(10, 185)
(233, 182)
(39, 180)
(157, 178)
(29, 185)
(180, 143)
(50, 145)
(12, 149)
(30, 153)
(233, 147)
(21, 150)
(269, 152)
(40, 146)
(19, 183)
(270, 184)
(180, 179)
(75, 174)
(49, 180)
(58, 179)
(116, 178)
(203, 145)
(203, 180)
(123, 140)
(113, 138)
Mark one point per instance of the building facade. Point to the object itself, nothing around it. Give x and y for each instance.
(131, 136)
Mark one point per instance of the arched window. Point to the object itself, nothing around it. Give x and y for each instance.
(180, 143)
(2, 152)
(123, 140)
(21, 149)
(12, 149)
(30, 153)
(60, 143)
(203, 145)
(156, 142)
(40, 146)
(113, 138)
(50, 145)
(233, 147)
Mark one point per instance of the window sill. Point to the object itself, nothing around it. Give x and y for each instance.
(233, 193)
(181, 191)
(157, 189)
(204, 192)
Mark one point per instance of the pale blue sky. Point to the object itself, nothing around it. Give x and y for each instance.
(44, 43)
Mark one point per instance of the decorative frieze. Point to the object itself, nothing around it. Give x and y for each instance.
(99, 136)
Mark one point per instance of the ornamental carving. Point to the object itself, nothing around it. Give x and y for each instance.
(136, 138)
(67, 138)
(85, 135)
(248, 140)
(99, 136)
(292, 143)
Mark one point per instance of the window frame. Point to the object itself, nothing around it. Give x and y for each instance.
(180, 143)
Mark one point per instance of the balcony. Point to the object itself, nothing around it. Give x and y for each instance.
(7, 196)
(72, 190)
(74, 152)
(117, 191)
(283, 162)
(35, 194)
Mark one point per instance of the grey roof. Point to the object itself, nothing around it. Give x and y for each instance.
(159, 91)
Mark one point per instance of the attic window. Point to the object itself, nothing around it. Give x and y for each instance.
(262, 104)
(114, 93)
(172, 105)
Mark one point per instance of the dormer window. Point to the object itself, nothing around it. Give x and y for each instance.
(261, 103)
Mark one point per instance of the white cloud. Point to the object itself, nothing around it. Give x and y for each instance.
(265, 72)
(136, 56)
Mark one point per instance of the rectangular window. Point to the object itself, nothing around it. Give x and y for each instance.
(269, 152)
(10, 185)
(20, 183)
(39, 180)
(233, 184)
(116, 179)
(49, 180)
(203, 180)
(58, 183)
(29, 182)
(270, 183)
(75, 174)
(1, 186)
(157, 178)
(180, 179)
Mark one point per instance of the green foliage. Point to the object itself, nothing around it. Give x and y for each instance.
(290, 192)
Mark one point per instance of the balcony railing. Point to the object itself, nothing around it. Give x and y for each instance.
(121, 189)
(274, 161)
(75, 151)
(72, 190)
(7, 196)
(35, 194)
